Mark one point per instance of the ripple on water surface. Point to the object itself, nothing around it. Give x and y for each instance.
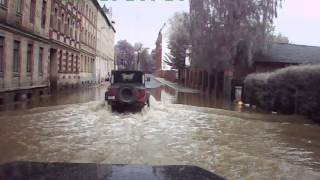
(162, 135)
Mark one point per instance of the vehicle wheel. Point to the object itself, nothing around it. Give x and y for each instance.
(148, 103)
(127, 94)
(113, 108)
(106, 96)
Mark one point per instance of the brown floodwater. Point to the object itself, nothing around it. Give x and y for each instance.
(77, 126)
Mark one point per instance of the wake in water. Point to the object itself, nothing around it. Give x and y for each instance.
(164, 134)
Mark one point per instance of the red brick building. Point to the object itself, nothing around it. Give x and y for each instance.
(223, 83)
(158, 55)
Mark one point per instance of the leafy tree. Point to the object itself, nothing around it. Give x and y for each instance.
(179, 40)
(146, 61)
(220, 28)
(279, 38)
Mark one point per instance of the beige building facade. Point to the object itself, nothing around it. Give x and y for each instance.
(88, 41)
(65, 44)
(105, 45)
(24, 48)
(48, 45)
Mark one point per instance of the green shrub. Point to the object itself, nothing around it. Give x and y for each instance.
(295, 89)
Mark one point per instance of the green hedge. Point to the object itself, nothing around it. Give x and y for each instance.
(295, 89)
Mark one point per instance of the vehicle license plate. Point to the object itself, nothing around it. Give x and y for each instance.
(111, 97)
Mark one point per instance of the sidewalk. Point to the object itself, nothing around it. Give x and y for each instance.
(176, 86)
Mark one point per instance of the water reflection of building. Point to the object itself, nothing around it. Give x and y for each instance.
(156, 93)
(164, 94)
(167, 94)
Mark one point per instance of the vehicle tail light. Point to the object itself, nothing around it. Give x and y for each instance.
(141, 95)
(112, 92)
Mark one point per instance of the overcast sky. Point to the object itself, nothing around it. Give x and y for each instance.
(140, 21)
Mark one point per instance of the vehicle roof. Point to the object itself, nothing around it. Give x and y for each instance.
(127, 71)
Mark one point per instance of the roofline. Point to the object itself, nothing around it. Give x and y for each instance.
(125, 70)
(96, 3)
(290, 44)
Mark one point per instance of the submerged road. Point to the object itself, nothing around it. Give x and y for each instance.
(232, 144)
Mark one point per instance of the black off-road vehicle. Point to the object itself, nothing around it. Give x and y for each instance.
(127, 88)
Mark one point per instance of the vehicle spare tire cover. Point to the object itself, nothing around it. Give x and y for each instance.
(127, 94)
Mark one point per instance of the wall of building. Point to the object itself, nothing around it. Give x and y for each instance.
(15, 25)
(88, 42)
(64, 33)
(65, 43)
(105, 48)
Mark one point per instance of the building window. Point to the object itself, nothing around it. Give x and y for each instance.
(70, 27)
(67, 27)
(85, 36)
(32, 10)
(81, 63)
(67, 61)
(85, 64)
(77, 62)
(18, 6)
(71, 69)
(40, 63)
(54, 19)
(3, 2)
(60, 61)
(43, 13)
(86, 10)
(1, 54)
(92, 65)
(61, 23)
(16, 56)
(29, 58)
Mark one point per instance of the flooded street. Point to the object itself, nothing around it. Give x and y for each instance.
(79, 127)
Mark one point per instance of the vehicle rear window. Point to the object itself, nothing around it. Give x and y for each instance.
(127, 77)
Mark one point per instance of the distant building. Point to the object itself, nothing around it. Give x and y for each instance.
(283, 55)
(279, 55)
(105, 45)
(24, 48)
(158, 54)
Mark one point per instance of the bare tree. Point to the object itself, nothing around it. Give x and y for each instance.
(143, 57)
(125, 55)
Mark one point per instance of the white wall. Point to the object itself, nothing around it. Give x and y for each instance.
(165, 50)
